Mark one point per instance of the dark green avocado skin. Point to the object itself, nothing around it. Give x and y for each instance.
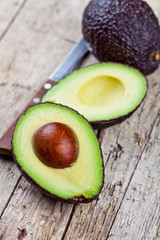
(125, 31)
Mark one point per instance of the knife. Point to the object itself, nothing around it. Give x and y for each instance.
(66, 67)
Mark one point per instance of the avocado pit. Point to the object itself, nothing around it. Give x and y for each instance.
(56, 145)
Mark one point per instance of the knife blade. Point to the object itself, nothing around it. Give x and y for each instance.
(66, 67)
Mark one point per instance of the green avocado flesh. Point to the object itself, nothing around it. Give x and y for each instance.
(83, 178)
(100, 92)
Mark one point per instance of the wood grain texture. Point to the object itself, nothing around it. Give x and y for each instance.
(9, 175)
(41, 217)
(139, 215)
(8, 12)
(128, 207)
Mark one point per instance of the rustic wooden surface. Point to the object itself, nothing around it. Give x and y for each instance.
(34, 37)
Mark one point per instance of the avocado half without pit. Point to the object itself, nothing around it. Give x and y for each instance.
(103, 93)
(57, 150)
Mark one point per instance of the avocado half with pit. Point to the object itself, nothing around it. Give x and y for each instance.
(56, 149)
(103, 93)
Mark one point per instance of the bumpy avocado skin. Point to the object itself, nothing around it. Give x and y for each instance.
(125, 31)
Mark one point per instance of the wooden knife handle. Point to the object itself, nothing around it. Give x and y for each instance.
(5, 141)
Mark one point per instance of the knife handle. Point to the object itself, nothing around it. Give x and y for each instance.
(5, 141)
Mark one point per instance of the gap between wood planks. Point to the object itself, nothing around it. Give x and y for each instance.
(1, 37)
(13, 19)
(11, 195)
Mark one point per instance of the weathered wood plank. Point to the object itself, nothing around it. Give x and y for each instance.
(39, 216)
(40, 43)
(9, 176)
(139, 215)
(8, 12)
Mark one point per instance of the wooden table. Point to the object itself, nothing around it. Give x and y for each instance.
(35, 36)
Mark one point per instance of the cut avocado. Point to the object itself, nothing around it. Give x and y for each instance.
(80, 182)
(123, 31)
(103, 93)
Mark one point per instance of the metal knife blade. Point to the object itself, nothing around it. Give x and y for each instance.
(66, 67)
(70, 61)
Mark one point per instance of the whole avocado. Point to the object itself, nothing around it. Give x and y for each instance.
(125, 31)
